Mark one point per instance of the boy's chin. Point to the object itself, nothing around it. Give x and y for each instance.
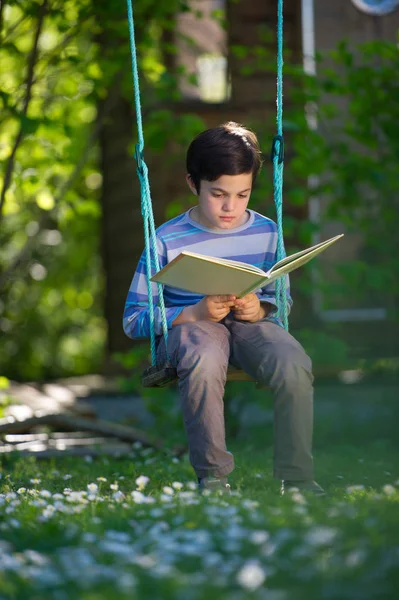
(227, 224)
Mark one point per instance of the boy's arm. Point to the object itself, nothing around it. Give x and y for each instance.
(136, 315)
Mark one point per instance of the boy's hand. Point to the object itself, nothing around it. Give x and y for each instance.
(214, 308)
(249, 309)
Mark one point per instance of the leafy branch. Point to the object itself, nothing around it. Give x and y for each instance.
(27, 249)
(28, 95)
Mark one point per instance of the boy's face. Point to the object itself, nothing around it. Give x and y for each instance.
(223, 202)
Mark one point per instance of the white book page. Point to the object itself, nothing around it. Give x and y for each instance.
(226, 261)
(311, 252)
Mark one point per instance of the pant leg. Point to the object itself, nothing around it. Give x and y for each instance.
(200, 352)
(275, 358)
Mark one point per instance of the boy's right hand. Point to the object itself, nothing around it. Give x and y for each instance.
(214, 308)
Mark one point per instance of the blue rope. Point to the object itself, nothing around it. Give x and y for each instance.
(146, 204)
(278, 170)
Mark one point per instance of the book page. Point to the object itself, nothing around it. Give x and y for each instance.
(290, 263)
(227, 261)
(208, 277)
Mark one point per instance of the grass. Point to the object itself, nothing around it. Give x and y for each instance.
(63, 538)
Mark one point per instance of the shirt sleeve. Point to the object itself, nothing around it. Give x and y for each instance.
(136, 315)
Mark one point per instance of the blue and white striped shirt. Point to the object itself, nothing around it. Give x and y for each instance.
(254, 242)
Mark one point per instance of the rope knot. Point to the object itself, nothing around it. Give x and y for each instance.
(139, 156)
(277, 149)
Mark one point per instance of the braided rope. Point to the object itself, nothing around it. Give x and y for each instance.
(278, 170)
(146, 204)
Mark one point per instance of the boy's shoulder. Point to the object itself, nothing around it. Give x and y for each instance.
(261, 220)
(175, 225)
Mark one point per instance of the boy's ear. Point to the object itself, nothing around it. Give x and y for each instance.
(191, 185)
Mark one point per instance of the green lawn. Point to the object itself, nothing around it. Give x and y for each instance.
(61, 537)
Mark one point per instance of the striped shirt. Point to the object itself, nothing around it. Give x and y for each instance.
(254, 243)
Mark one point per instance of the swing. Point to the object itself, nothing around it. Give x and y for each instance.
(161, 375)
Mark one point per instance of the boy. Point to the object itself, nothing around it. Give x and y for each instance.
(206, 333)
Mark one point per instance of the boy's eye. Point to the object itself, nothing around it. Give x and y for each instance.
(242, 196)
(217, 195)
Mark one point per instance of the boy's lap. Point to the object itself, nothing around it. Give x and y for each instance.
(227, 338)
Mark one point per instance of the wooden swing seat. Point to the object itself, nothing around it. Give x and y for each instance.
(160, 376)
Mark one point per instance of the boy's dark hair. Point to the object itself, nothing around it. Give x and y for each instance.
(230, 149)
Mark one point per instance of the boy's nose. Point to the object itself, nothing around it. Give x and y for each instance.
(228, 205)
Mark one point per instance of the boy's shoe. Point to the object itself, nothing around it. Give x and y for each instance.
(302, 486)
(214, 484)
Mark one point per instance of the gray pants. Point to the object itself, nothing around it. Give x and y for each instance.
(201, 353)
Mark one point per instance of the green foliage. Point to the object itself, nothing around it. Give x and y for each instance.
(353, 153)
(51, 277)
(54, 97)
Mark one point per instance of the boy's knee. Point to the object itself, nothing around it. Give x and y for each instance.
(208, 361)
(289, 364)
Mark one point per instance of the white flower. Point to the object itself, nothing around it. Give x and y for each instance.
(45, 494)
(259, 537)
(389, 490)
(93, 488)
(168, 490)
(89, 537)
(320, 536)
(14, 523)
(21, 490)
(192, 485)
(354, 488)
(144, 560)
(250, 504)
(114, 486)
(166, 498)
(355, 558)
(298, 498)
(102, 479)
(142, 481)
(138, 497)
(35, 481)
(58, 497)
(118, 496)
(177, 485)
(38, 502)
(251, 575)
(67, 476)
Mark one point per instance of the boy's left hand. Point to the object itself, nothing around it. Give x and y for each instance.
(249, 309)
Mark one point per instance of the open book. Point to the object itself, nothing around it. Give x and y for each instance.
(208, 276)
